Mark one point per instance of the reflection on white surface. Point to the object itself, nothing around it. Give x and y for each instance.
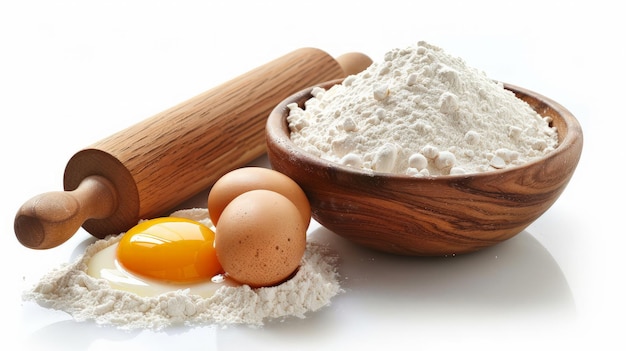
(516, 284)
(517, 277)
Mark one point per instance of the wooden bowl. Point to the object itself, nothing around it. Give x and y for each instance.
(439, 215)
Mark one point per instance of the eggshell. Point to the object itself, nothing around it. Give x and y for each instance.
(260, 238)
(244, 179)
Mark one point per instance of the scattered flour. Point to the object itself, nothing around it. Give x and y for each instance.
(421, 112)
(70, 289)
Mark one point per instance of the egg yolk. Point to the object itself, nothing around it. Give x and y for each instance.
(170, 249)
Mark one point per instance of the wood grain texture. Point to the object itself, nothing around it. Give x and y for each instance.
(158, 163)
(179, 152)
(430, 216)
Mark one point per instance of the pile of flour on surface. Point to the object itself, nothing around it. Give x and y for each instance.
(421, 112)
(69, 288)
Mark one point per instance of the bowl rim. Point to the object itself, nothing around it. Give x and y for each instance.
(277, 129)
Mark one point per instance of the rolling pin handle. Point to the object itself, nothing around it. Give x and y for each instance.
(50, 219)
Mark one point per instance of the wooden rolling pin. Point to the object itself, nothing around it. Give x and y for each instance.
(154, 165)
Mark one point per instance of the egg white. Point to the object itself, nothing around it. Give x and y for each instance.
(104, 265)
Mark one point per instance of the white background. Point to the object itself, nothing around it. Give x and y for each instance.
(74, 72)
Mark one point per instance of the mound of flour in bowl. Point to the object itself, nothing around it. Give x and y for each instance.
(69, 288)
(421, 112)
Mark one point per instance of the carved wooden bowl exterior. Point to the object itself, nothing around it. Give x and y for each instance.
(429, 216)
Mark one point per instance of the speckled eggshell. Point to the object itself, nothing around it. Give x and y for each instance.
(241, 180)
(260, 238)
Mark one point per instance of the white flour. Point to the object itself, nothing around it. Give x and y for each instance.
(421, 112)
(70, 289)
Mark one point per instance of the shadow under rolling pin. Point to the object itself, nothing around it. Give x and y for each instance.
(148, 168)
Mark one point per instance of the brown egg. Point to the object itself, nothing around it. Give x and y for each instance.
(244, 179)
(260, 238)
